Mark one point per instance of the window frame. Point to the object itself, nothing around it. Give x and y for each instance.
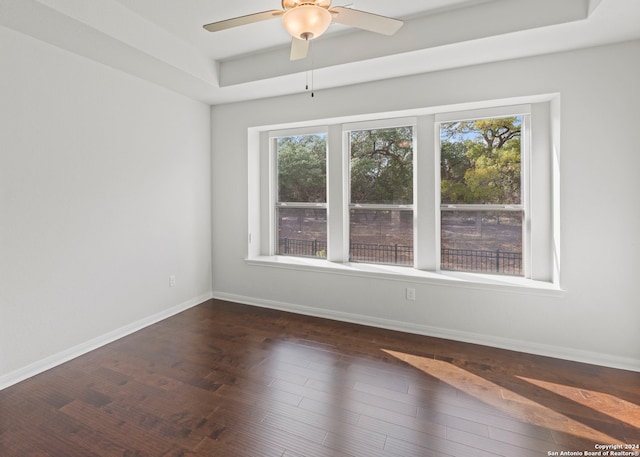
(523, 111)
(541, 188)
(271, 138)
(381, 124)
(274, 180)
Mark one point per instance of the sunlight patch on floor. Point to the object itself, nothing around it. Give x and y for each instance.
(516, 405)
(610, 405)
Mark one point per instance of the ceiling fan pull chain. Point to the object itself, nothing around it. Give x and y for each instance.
(311, 56)
(309, 73)
(306, 20)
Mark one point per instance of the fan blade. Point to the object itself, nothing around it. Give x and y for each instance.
(366, 21)
(242, 20)
(299, 49)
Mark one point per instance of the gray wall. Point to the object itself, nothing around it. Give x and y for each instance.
(595, 319)
(104, 193)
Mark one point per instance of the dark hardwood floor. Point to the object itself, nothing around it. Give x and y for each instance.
(224, 379)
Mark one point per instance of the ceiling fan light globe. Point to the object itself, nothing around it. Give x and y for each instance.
(306, 22)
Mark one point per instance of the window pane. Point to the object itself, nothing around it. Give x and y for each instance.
(302, 178)
(482, 241)
(302, 169)
(481, 165)
(382, 166)
(382, 236)
(381, 174)
(480, 161)
(302, 232)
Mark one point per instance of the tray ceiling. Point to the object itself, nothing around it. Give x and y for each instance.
(164, 42)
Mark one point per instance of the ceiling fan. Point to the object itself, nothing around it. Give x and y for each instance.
(306, 20)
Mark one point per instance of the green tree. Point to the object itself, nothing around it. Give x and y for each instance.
(454, 163)
(302, 169)
(481, 161)
(382, 166)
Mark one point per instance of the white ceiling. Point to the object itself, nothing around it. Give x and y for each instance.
(163, 40)
(186, 23)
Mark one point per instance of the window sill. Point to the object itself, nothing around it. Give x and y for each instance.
(408, 274)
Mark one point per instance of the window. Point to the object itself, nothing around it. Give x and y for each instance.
(482, 210)
(301, 203)
(381, 190)
(449, 193)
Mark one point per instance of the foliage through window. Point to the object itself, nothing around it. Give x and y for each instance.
(472, 191)
(381, 211)
(482, 210)
(301, 195)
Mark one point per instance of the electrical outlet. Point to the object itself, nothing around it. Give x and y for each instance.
(411, 294)
(172, 281)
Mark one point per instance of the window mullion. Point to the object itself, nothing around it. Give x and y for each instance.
(271, 196)
(482, 207)
(540, 186)
(300, 205)
(335, 196)
(426, 195)
(379, 206)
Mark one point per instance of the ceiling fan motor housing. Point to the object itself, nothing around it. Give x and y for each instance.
(288, 4)
(306, 21)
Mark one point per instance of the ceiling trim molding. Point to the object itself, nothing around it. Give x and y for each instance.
(33, 18)
(494, 18)
(473, 32)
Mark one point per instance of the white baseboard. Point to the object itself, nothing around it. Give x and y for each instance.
(56, 359)
(594, 358)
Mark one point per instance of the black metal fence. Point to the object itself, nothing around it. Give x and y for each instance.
(394, 254)
(472, 260)
(302, 248)
(506, 263)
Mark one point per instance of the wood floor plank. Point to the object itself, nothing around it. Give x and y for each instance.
(433, 447)
(131, 437)
(224, 379)
(499, 447)
(416, 432)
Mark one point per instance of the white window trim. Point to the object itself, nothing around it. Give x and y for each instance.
(509, 284)
(377, 124)
(544, 204)
(272, 192)
(525, 186)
